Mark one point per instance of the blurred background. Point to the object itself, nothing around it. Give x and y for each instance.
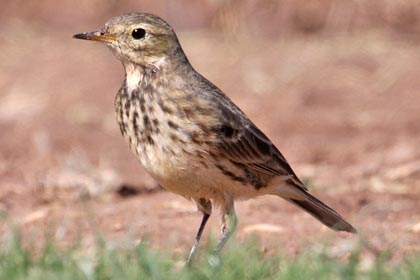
(334, 84)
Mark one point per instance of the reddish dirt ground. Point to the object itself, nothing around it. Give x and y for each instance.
(343, 109)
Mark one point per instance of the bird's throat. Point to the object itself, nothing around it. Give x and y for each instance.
(134, 75)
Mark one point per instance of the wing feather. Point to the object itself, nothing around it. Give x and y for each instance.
(240, 141)
(249, 146)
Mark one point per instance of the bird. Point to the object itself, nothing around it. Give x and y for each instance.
(190, 136)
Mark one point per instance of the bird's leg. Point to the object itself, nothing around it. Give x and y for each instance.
(229, 221)
(205, 207)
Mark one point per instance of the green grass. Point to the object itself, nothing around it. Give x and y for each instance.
(238, 261)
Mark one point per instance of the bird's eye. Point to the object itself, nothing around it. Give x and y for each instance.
(138, 33)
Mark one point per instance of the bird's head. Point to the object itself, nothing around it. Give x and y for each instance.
(138, 38)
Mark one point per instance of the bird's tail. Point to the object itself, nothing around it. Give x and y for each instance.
(319, 210)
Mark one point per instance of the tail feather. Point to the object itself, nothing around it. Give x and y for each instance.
(322, 212)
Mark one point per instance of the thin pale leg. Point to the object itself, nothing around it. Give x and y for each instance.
(205, 207)
(229, 222)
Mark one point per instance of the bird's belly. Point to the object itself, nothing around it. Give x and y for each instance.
(192, 176)
(175, 170)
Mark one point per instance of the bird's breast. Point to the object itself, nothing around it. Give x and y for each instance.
(158, 136)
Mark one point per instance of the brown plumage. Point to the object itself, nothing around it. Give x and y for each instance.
(189, 135)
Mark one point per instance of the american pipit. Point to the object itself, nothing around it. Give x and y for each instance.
(189, 135)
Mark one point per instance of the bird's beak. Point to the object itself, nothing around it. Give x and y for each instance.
(96, 36)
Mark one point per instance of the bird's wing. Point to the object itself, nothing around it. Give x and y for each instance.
(240, 141)
(249, 146)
